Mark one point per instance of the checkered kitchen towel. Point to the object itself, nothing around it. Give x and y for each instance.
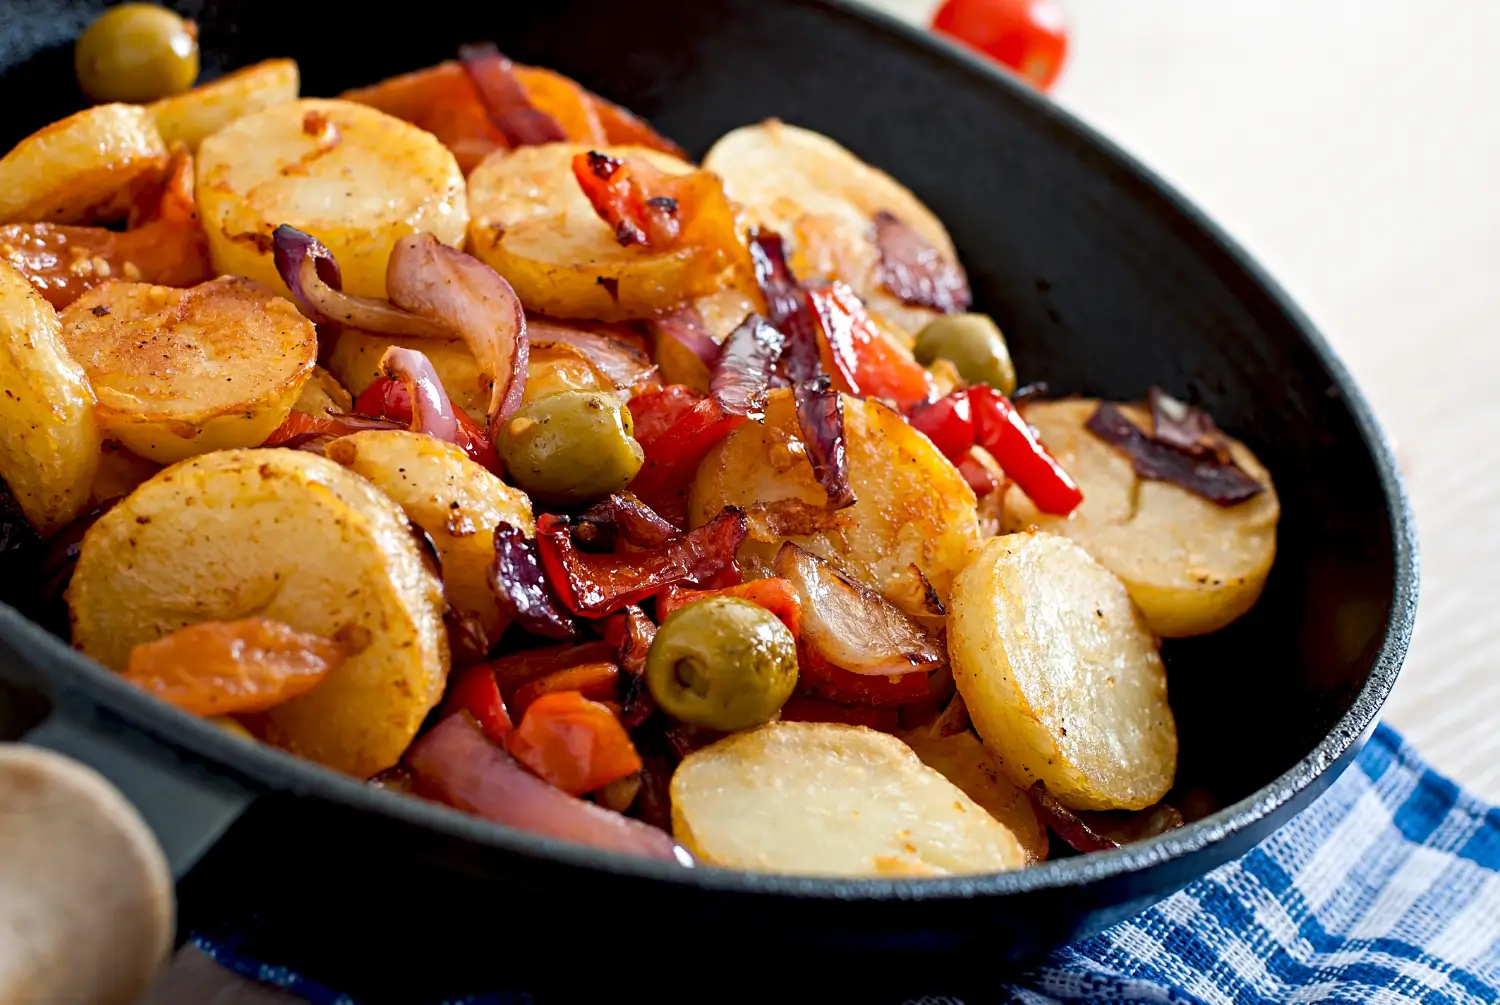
(1386, 890)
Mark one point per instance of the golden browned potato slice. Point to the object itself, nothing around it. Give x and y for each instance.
(822, 199)
(354, 178)
(966, 762)
(82, 169)
(192, 117)
(1191, 566)
(120, 473)
(183, 372)
(454, 500)
(912, 509)
(355, 361)
(280, 534)
(49, 437)
(817, 798)
(323, 394)
(1062, 679)
(531, 223)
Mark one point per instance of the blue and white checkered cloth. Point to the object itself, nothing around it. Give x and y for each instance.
(1387, 890)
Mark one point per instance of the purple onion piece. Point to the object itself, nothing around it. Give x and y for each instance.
(624, 364)
(505, 99)
(520, 586)
(915, 271)
(1209, 476)
(1077, 834)
(312, 274)
(431, 411)
(685, 326)
(746, 362)
(820, 416)
(787, 303)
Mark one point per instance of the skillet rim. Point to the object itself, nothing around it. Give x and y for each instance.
(264, 769)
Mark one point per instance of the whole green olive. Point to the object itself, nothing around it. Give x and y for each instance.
(722, 663)
(571, 447)
(136, 52)
(973, 344)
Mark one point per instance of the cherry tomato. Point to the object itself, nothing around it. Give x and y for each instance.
(1029, 36)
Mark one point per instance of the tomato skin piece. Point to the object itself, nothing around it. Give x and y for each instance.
(576, 744)
(1029, 36)
(477, 692)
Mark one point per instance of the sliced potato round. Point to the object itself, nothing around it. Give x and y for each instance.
(1062, 679)
(49, 436)
(120, 473)
(817, 798)
(355, 362)
(323, 394)
(194, 116)
(355, 178)
(823, 199)
(1191, 566)
(280, 534)
(82, 169)
(913, 510)
(966, 762)
(454, 500)
(183, 372)
(531, 223)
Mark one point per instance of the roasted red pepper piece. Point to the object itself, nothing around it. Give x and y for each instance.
(999, 428)
(948, 422)
(388, 398)
(774, 594)
(819, 678)
(639, 202)
(801, 708)
(572, 742)
(595, 681)
(865, 362)
(595, 585)
(516, 670)
(631, 633)
(477, 693)
(676, 428)
(979, 477)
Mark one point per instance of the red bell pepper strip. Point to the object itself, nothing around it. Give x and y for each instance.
(774, 594)
(515, 671)
(675, 437)
(631, 633)
(388, 398)
(477, 693)
(638, 202)
(594, 585)
(801, 708)
(819, 678)
(979, 477)
(948, 422)
(866, 363)
(572, 742)
(595, 681)
(999, 428)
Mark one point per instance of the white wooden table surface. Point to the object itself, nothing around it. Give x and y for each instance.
(1354, 147)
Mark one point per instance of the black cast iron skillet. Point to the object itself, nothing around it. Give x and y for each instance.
(1105, 282)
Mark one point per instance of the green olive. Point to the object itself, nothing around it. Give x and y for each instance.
(722, 663)
(973, 344)
(136, 52)
(571, 447)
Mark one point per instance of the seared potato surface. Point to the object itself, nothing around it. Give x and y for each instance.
(195, 115)
(965, 761)
(291, 536)
(82, 169)
(1061, 677)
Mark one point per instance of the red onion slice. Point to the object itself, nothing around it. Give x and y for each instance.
(685, 326)
(455, 764)
(1208, 475)
(626, 365)
(312, 274)
(787, 303)
(915, 271)
(820, 417)
(851, 626)
(467, 298)
(431, 411)
(521, 588)
(1066, 824)
(505, 99)
(743, 370)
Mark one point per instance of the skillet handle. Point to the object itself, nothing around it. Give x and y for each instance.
(185, 806)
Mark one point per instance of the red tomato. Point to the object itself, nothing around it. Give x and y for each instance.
(1029, 36)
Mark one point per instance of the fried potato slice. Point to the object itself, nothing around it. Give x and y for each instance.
(323, 394)
(85, 168)
(353, 177)
(355, 362)
(120, 473)
(1191, 566)
(454, 500)
(964, 760)
(195, 115)
(49, 436)
(818, 798)
(286, 535)
(823, 199)
(1062, 679)
(531, 222)
(183, 372)
(913, 511)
